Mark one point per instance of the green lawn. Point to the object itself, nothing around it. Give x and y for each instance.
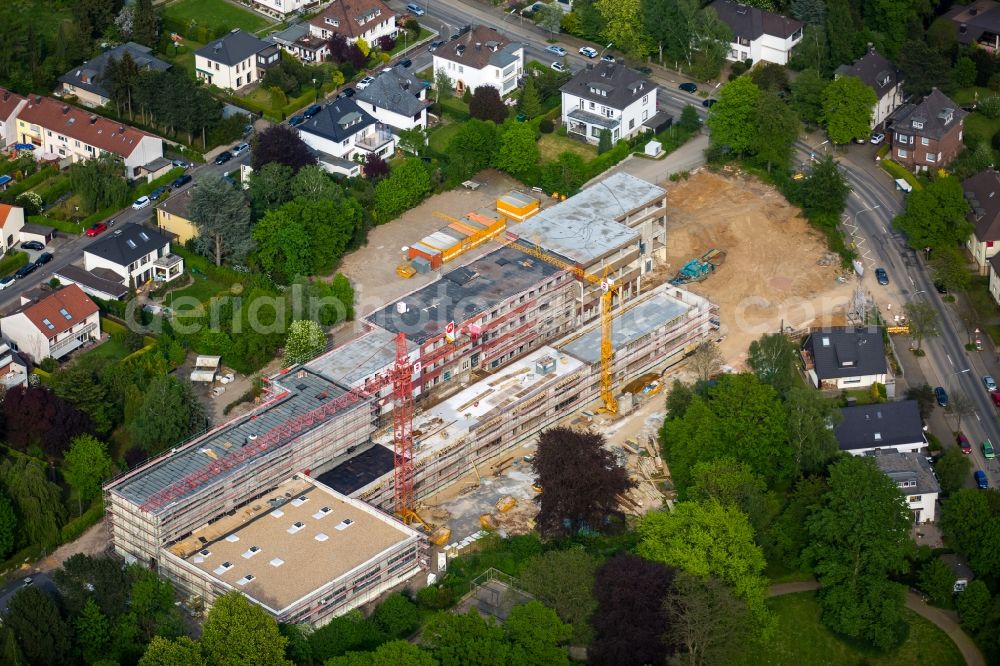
(409, 41)
(441, 135)
(800, 638)
(203, 288)
(551, 145)
(215, 12)
(968, 96)
(112, 350)
(183, 56)
(980, 128)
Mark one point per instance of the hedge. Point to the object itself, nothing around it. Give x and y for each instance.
(13, 261)
(145, 188)
(31, 181)
(55, 190)
(112, 327)
(98, 216)
(605, 161)
(274, 115)
(76, 527)
(303, 100)
(62, 225)
(897, 170)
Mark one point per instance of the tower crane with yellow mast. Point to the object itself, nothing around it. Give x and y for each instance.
(608, 292)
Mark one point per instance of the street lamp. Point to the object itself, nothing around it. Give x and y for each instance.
(315, 90)
(812, 151)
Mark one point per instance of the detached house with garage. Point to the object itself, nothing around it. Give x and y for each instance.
(876, 72)
(845, 358)
(235, 61)
(757, 34)
(395, 99)
(895, 426)
(915, 479)
(343, 134)
(481, 57)
(53, 326)
(607, 96)
(982, 192)
(927, 135)
(353, 20)
(134, 253)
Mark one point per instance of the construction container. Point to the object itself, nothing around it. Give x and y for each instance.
(517, 205)
(449, 246)
(432, 255)
(458, 234)
(421, 265)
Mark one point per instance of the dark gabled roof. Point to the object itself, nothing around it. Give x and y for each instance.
(394, 91)
(847, 352)
(973, 20)
(982, 191)
(232, 48)
(128, 244)
(751, 23)
(883, 425)
(875, 71)
(88, 75)
(908, 467)
(91, 281)
(339, 120)
(480, 47)
(609, 84)
(937, 113)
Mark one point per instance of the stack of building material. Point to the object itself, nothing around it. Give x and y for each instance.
(517, 205)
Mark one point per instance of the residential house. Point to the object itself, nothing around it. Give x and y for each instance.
(297, 40)
(10, 105)
(86, 82)
(607, 96)
(977, 23)
(982, 191)
(481, 57)
(172, 216)
(60, 131)
(54, 325)
(343, 134)
(134, 252)
(11, 223)
(353, 20)
(927, 135)
(99, 283)
(881, 426)
(913, 476)
(961, 569)
(883, 77)
(282, 8)
(994, 271)
(845, 358)
(395, 98)
(235, 61)
(13, 368)
(757, 34)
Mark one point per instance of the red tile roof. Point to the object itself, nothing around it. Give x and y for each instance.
(8, 101)
(347, 13)
(82, 125)
(71, 299)
(5, 210)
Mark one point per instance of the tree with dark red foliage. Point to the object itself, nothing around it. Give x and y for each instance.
(375, 167)
(341, 51)
(386, 43)
(630, 619)
(281, 144)
(580, 480)
(39, 417)
(487, 105)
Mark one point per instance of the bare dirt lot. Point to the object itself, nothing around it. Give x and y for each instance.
(772, 273)
(372, 269)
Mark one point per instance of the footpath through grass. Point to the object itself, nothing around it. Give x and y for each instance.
(800, 638)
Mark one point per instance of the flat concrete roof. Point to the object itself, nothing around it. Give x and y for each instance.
(463, 293)
(296, 396)
(626, 328)
(350, 363)
(583, 228)
(357, 472)
(337, 534)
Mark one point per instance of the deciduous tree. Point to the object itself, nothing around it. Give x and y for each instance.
(38, 501)
(810, 436)
(393, 653)
(518, 153)
(86, 465)
(935, 216)
(824, 190)
(731, 121)
(442, 85)
(99, 182)
(807, 95)
(487, 105)
(711, 44)
(238, 632)
(38, 417)
(8, 525)
(92, 632)
(580, 490)
(170, 413)
(970, 523)
(922, 318)
(466, 639)
(847, 109)
(165, 652)
(282, 144)
(706, 622)
(472, 148)
(952, 470)
(305, 341)
(548, 17)
(146, 24)
(221, 214)
(269, 187)
(859, 537)
(375, 167)
(706, 360)
(777, 129)
(924, 68)
(564, 581)
(937, 581)
(623, 25)
(44, 638)
(772, 358)
(973, 605)
(565, 174)
(408, 183)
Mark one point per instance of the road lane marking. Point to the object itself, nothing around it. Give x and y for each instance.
(948, 356)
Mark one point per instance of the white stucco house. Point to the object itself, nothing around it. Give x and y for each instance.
(235, 60)
(886, 426)
(481, 57)
(134, 252)
(916, 481)
(53, 326)
(845, 358)
(607, 96)
(11, 223)
(396, 99)
(876, 72)
(982, 191)
(343, 134)
(353, 20)
(10, 105)
(757, 34)
(282, 8)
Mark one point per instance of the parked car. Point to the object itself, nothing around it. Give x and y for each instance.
(688, 87)
(981, 481)
(25, 271)
(310, 112)
(990, 384)
(346, 93)
(941, 396)
(436, 44)
(963, 443)
(558, 66)
(988, 451)
(877, 138)
(405, 62)
(180, 163)
(98, 228)
(996, 399)
(365, 82)
(240, 149)
(415, 9)
(555, 48)
(33, 245)
(607, 57)
(43, 258)
(179, 181)
(709, 103)
(588, 51)
(158, 192)
(140, 203)
(881, 276)
(295, 121)
(223, 157)
(6, 282)
(940, 288)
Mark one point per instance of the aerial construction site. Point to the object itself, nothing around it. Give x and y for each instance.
(330, 481)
